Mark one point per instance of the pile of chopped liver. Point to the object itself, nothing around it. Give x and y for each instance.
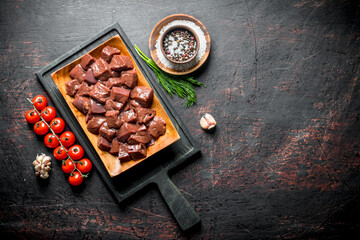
(116, 109)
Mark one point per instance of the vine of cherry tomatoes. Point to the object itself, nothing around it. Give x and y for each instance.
(71, 155)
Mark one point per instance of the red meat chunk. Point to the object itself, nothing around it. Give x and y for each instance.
(145, 114)
(107, 132)
(86, 61)
(129, 116)
(129, 78)
(123, 153)
(134, 103)
(143, 95)
(89, 77)
(113, 82)
(115, 74)
(95, 123)
(101, 69)
(82, 104)
(88, 117)
(96, 107)
(84, 89)
(78, 73)
(128, 107)
(119, 94)
(120, 63)
(100, 92)
(137, 151)
(103, 144)
(113, 105)
(126, 130)
(114, 147)
(113, 119)
(71, 87)
(139, 137)
(157, 127)
(108, 52)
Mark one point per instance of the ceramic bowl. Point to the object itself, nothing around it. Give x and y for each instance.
(187, 29)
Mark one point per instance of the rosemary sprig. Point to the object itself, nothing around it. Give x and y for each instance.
(183, 86)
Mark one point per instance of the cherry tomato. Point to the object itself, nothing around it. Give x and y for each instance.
(84, 165)
(76, 152)
(32, 116)
(39, 102)
(60, 153)
(58, 125)
(67, 138)
(51, 141)
(75, 179)
(40, 128)
(48, 113)
(67, 166)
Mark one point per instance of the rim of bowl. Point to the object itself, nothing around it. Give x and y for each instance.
(180, 27)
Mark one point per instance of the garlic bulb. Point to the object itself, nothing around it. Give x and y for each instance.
(42, 165)
(207, 122)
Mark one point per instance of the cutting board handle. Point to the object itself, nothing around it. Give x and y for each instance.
(179, 206)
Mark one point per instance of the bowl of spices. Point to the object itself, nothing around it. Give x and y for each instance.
(179, 44)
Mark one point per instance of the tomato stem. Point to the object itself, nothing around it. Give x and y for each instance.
(42, 119)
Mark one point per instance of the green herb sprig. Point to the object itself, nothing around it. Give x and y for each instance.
(183, 86)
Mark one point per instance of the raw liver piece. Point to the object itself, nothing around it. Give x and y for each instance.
(123, 153)
(115, 74)
(120, 63)
(95, 123)
(100, 92)
(107, 132)
(89, 77)
(88, 117)
(103, 144)
(119, 94)
(134, 103)
(128, 107)
(84, 89)
(114, 147)
(113, 119)
(108, 52)
(157, 127)
(126, 130)
(82, 103)
(145, 114)
(139, 137)
(129, 78)
(137, 151)
(101, 69)
(129, 116)
(96, 107)
(78, 73)
(113, 105)
(113, 82)
(71, 87)
(86, 61)
(143, 95)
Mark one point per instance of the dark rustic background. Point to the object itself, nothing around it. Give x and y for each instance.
(282, 82)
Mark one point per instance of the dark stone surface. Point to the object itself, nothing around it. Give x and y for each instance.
(282, 82)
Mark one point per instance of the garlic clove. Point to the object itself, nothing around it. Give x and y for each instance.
(46, 161)
(44, 175)
(207, 122)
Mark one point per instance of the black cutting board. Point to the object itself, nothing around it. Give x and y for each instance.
(153, 170)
